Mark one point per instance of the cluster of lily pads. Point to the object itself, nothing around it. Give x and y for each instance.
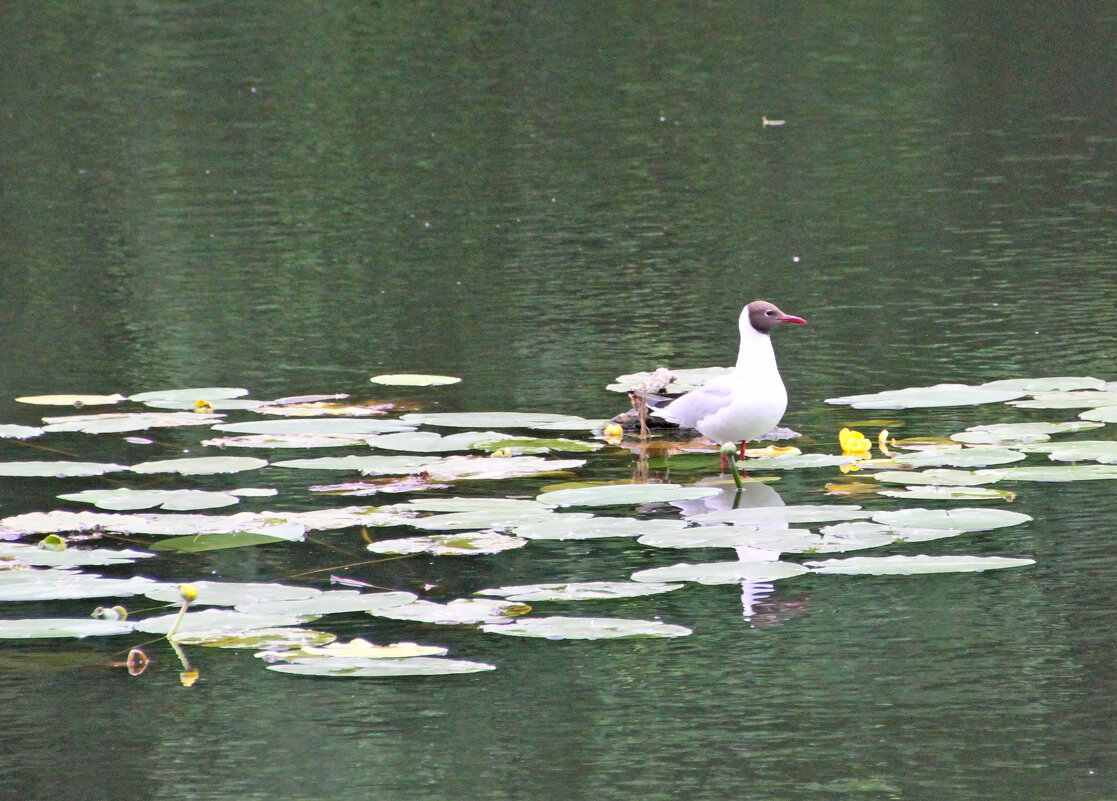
(402, 454)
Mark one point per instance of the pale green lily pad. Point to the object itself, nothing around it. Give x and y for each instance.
(182, 500)
(1104, 414)
(863, 534)
(585, 628)
(209, 405)
(517, 446)
(414, 380)
(430, 442)
(233, 593)
(381, 465)
(44, 627)
(761, 543)
(331, 602)
(805, 513)
(624, 494)
(1014, 433)
(552, 422)
(1084, 399)
(257, 639)
(1052, 384)
(192, 394)
(58, 469)
(466, 543)
(214, 620)
(218, 542)
(721, 572)
(463, 611)
(455, 468)
(201, 465)
(287, 441)
(120, 422)
(684, 380)
(56, 584)
(964, 519)
(468, 505)
(355, 648)
(1103, 451)
(1078, 472)
(370, 668)
(71, 400)
(939, 395)
(579, 591)
(254, 492)
(960, 457)
(930, 493)
(327, 426)
(796, 461)
(12, 431)
(938, 478)
(498, 519)
(578, 526)
(909, 565)
(33, 555)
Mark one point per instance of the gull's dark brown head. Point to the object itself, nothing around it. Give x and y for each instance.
(764, 316)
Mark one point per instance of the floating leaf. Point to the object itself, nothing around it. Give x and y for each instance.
(455, 468)
(329, 426)
(338, 667)
(908, 565)
(331, 602)
(579, 591)
(585, 628)
(119, 422)
(760, 544)
(1057, 383)
(940, 478)
(58, 469)
(463, 611)
(1105, 414)
(56, 584)
(372, 464)
(499, 519)
(430, 442)
(191, 395)
(219, 542)
(479, 504)
(962, 457)
(625, 494)
(466, 543)
(218, 621)
(1000, 433)
(961, 519)
(410, 380)
(69, 557)
(482, 420)
(12, 431)
(257, 639)
(62, 627)
(872, 535)
(929, 493)
(1078, 472)
(201, 465)
(71, 400)
(721, 572)
(173, 500)
(232, 593)
(362, 649)
(577, 526)
(797, 461)
(938, 395)
(1103, 451)
(214, 405)
(1085, 399)
(805, 513)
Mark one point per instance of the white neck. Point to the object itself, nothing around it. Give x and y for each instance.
(756, 355)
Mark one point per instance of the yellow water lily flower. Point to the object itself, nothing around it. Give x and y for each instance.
(613, 433)
(854, 443)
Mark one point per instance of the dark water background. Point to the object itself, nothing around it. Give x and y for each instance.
(292, 197)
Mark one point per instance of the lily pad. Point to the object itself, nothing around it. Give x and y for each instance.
(454, 468)
(33, 555)
(965, 519)
(331, 602)
(214, 620)
(1078, 472)
(939, 395)
(220, 542)
(172, 500)
(759, 543)
(71, 400)
(201, 465)
(585, 628)
(498, 519)
(358, 668)
(579, 591)
(332, 426)
(479, 504)
(466, 543)
(721, 572)
(766, 515)
(192, 394)
(56, 584)
(1003, 433)
(12, 431)
(45, 627)
(430, 442)
(930, 493)
(58, 469)
(909, 565)
(414, 380)
(797, 461)
(1103, 451)
(938, 478)
(625, 494)
(961, 457)
(382, 465)
(463, 611)
(287, 441)
(1104, 414)
(256, 639)
(1056, 383)
(232, 593)
(1083, 399)
(552, 422)
(119, 422)
(356, 648)
(577, 526)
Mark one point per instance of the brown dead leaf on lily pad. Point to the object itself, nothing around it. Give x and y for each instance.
(413, 483)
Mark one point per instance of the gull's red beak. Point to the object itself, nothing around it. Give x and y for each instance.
(789, 318)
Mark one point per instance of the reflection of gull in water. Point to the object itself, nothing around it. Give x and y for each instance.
(752, 495)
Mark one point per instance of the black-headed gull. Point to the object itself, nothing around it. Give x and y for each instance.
(748, 402)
